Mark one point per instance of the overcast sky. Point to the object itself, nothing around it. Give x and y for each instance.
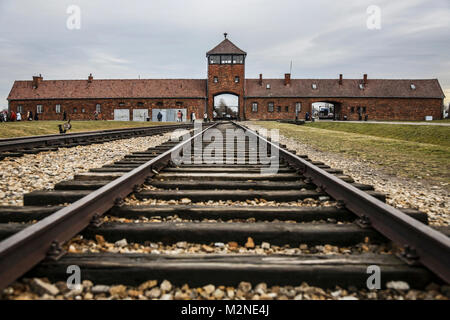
(169, 39)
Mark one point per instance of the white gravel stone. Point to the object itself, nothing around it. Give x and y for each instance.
(397, 285)
(44, 170)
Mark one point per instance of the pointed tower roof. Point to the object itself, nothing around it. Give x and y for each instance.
(226, 47)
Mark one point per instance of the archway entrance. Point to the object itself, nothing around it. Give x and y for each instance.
(326, 110)
(226, 106)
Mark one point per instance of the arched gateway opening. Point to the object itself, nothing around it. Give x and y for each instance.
(326, 110)
(226, 106)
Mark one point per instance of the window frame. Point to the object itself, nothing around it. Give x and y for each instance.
(270, 107)
(236, 79)
(216, 79)
(226, 59)
(254, 106)
(298, 107)
(98, 108)
(57, 108)
(20, 108)
(39, 108)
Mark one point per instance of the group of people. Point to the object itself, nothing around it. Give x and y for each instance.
(179, 116)
(13, 116)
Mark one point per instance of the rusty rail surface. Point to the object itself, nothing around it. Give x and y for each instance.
(422, 244)
(20, 252)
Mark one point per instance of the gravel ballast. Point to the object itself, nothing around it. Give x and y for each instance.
(43, 170)
(400, 192)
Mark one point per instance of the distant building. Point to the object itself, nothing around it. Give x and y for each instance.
(139, 99)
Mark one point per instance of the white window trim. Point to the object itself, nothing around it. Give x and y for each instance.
(39, 108)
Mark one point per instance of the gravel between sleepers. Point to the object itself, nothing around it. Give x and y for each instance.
(42, 289)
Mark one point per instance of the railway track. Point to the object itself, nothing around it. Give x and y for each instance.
(306, 222)
(17, 147)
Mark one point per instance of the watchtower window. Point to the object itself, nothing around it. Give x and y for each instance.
(238, 59)
(225, 59)
(216, 79)
(214, 59)
(413, 86)
(268, 86)
(236, 79)
(314, 86)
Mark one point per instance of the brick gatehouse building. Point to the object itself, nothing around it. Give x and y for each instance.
(260, 98)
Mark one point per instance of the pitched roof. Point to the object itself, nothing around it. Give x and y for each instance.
(117, 88)
(226, 47)
(376, 88)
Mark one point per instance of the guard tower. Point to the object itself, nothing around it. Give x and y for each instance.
(226, 74)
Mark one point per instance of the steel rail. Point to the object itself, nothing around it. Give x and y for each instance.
(26, 142)
(23, 250)
(424, 244)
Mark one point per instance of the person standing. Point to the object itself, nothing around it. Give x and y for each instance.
(19, 116)
(30, 116)
(64, 115)
(179, 116)
(159, 116)
(36, 116)
(193, 117)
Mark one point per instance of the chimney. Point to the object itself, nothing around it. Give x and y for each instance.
(37, 80)
(365, 79)
(90, 78)
(287, 79)
(260, 79)
(340, 79)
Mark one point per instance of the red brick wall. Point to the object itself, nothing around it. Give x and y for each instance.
(226, 74)
(376, 109)
(107, 107)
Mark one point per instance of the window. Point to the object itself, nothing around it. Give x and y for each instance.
(140, 104)
(216, 79)
(19, 109)
(352, 110)
(58, 108)
(75, 110)
(270, 107)
(314, 86)
(298, 107)
(358, 109)
(214, 59)
(361, 86)
(236, 79)
(121, 104)
(286, 109)
(83, 110)
(413, 86)
(279, 109)
(238, 59)
(98, 108)
(225, 59)
(255, 107)
(39, 108)
(268, 86)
